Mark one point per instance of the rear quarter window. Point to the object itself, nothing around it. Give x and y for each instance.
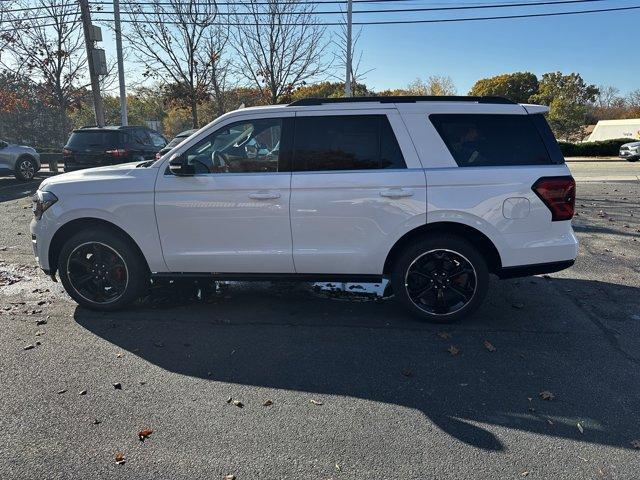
(478, 140)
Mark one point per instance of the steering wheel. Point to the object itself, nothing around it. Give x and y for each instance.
(219, 164)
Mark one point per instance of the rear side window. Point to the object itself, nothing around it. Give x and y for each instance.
(91, 139)
(345, 142)
(477, 140)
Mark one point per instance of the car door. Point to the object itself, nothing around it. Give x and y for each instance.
(232, 216)
(357, 186)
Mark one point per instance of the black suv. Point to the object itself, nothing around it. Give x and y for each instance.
(99, 146)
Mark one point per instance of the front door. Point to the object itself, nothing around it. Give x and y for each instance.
(232, 216)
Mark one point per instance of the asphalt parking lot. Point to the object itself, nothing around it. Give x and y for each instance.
(543, 382)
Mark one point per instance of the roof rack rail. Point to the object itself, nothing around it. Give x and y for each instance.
(401, 99)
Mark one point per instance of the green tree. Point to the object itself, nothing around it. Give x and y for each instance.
(518, 86)
(328, 90)
(568, 98)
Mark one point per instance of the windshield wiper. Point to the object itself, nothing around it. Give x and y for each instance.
(146, 164)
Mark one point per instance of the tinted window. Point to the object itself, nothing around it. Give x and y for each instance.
(477, 140)
(242, 147)
(92, 139)
(140, 136)
(157, 140)
(345, 142)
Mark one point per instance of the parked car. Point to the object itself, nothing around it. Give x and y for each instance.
(433, 193)
(630, 151)
(111, 145)
(177, 139)
(21, 161)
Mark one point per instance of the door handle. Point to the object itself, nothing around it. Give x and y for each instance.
(396, 193)
(264, 195)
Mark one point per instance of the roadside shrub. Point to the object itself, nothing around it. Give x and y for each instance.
(604, 148)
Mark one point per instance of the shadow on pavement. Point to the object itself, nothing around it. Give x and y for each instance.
(289, 337)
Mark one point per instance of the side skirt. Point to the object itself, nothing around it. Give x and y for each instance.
(270, 277)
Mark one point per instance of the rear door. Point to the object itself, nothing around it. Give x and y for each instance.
(357, 186)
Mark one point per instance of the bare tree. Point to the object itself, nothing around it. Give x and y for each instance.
(213, 54)
(435, 85)
(48, 47)
(5, 7)
(608, 97)
(168, 37)
(358, 72)
(280, 45)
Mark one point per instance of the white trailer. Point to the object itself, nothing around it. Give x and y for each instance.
(610, 129)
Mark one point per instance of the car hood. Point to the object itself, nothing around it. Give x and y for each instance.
(113, 179)
(632, 144)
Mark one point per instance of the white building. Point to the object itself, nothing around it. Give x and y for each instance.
(610, 129)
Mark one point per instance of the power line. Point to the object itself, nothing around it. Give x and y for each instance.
(389, 22)
(395, 10)
(30, 9)
(405, 22)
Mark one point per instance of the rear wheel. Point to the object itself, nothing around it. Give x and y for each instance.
(25, 169)
(441, 279)
(101, 270)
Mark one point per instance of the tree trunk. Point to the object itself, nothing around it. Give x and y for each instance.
(194, 111)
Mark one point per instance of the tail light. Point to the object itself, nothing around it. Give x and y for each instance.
(66, 152)
(559, 194)
(120, 152)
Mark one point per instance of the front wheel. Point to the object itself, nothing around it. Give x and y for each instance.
(441, 279)
(101, 270)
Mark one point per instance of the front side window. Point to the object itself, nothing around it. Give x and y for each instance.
(479, 140)
(345, 142)
(243, 147)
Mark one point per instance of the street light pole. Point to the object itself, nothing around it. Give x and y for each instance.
(124, 120)
(347, 83)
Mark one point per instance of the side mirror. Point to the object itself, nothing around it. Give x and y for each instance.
(3, 144)
(179, 166)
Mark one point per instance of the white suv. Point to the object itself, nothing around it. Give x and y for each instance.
(433, 193)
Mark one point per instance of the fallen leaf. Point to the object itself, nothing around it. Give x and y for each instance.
(267, 403)
(119, 355)
(143, 434)
(519, 306)
(489, 346)
(96, 421)
(238, 403)
(453, 350)
(82, 392)
(524, 473)
(28, 347)
(550, 422)
(547, 395)
(407, 373)
(444, 335)
(120, 458)
(580, 427)
(635, 444)
(117, 386)
(229, 477)
(315, 402)
(62, 391)
(229, 400)
(41, 322)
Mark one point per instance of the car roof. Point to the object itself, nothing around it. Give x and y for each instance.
(109, 128)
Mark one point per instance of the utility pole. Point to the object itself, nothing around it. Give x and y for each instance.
(123, 89)
(347, 83)
(89, 38)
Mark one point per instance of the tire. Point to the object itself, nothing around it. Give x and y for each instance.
(119, 273)
(25, 168)
(446, 275)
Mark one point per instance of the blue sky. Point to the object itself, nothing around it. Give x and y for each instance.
(603, 47)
